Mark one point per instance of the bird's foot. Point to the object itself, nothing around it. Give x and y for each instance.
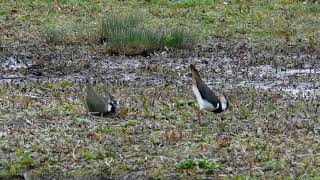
(199, 115)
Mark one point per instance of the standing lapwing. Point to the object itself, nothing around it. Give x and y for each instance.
(207, 99)
(100, 104)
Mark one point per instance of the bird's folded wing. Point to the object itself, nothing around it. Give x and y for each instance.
(208, 94)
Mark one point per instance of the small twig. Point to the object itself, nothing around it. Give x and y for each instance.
(19, 77)
(34, 97)
(29, 122)
(108, 163)
(23, 77)
(74, 150)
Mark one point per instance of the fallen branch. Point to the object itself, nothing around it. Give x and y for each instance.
(74, 150)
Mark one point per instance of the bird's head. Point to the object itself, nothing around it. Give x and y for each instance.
(195, 74)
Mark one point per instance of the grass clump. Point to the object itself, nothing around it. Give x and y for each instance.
(175, 38)
(202, 165)
(69, 33)
(23, 160)
(53, 35)
(127, 35)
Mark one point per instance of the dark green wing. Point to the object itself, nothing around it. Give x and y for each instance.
(207, 93)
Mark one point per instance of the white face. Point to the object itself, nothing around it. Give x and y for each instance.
(111, 104)
(109, 107)
(223, 103)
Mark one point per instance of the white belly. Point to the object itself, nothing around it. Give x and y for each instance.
(203, 104)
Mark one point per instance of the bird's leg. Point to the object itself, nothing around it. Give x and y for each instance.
(199, 115)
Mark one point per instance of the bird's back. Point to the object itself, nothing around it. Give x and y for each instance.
(207, 94)
(96, 102)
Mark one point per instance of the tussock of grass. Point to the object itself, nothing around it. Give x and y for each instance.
(53, 35)
(201, 165)
(70, 34)
(127, 35)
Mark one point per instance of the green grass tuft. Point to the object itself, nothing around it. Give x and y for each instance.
(202, 164)
(127, 35)
(53, 35)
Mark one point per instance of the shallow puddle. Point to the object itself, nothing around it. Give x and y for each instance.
(156, 70)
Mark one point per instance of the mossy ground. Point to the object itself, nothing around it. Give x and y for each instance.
(45, 130)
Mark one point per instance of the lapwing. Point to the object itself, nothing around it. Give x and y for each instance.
(100, 104)
(208, 99)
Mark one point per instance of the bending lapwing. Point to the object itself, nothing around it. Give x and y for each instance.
(207, 99)
(100, 104)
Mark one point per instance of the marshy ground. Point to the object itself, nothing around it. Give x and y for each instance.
(265, 57)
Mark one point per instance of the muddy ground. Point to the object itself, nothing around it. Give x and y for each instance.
(227, 63)
(271, 130)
